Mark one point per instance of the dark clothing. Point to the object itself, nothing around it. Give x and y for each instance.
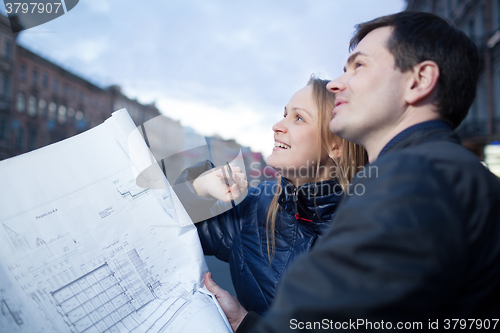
(238, 235)
(421, 243)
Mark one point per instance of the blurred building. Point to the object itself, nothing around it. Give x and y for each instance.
(222, 151)
(140, 113)
(42, 103)
(51, 104)
(480, 20)
(7, 56)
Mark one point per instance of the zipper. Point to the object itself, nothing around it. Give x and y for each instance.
(295, 198)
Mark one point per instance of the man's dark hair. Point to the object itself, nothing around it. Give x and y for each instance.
(417, 37)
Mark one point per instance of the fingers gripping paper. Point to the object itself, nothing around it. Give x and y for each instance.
(83, 248)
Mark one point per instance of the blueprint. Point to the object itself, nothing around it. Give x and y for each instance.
(86, 245)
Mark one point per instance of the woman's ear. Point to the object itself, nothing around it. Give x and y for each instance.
(336, 151)
(423, 82)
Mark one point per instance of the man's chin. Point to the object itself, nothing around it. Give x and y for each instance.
(335, 127)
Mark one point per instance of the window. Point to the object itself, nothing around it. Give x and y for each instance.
(79, 121)
(42, 107)
(8, 49)
(65, 90)
(32, 106)
(32, 139)
(22, 74)
(3, 128)
(21, 102)
(61, 114)
(6, 84)
(45, 80)
(79, 115)
(440, 9)
(472, 29)
(52, 110)
(55, 85)
(19, 138)
(34, 77)
(498, 14)
(3, 82)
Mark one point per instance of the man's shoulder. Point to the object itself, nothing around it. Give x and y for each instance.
(445, 162)
(439, 155)
(435, 148)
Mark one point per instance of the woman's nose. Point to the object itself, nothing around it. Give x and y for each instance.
(280, 126)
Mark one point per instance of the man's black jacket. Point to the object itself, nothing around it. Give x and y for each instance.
(421, 243)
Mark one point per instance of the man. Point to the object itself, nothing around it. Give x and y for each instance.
(421, 246)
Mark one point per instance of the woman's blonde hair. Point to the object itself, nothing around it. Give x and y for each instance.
(352, 159)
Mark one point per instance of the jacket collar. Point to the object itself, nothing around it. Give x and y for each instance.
(328, 194)
(429, 127)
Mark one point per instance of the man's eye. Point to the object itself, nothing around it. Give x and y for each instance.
(358, 64)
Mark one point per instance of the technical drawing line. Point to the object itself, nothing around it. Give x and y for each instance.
(18, 242)
(172, 317)
(145, 275)
(133, 196)
(90, 300)
(103, 308)
(14, 315)
(170, 306)
(109, 315)
(74, 281)
(100, 299)
(150, 315)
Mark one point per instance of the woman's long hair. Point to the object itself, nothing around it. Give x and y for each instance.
(352, 159)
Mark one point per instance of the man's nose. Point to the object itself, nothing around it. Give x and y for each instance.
(336, 85)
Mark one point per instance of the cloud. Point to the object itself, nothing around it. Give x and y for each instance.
(213, 60)
(229, 121)
(98, 6)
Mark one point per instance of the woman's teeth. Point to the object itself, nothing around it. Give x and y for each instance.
(281, 145)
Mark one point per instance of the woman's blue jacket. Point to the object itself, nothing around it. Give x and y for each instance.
(238, 235)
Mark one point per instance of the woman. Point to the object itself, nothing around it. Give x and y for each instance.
(276, 222)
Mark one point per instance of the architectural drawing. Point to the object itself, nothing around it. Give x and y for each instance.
(97, 253)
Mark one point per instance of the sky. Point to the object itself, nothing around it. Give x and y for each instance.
(221, 67)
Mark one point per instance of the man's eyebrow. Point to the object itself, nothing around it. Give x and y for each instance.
(353, 57)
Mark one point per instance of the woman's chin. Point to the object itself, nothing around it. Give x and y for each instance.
(270, 161)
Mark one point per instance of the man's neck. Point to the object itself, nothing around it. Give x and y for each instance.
(376, 142)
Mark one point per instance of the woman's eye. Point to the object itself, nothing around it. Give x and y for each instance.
(299, 118)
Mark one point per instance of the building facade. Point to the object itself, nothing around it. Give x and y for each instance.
(50, 104)
(42, 103)
(7, 56)
(480, 20)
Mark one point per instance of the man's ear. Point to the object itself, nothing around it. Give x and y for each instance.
(336, 150)
(423, 82)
